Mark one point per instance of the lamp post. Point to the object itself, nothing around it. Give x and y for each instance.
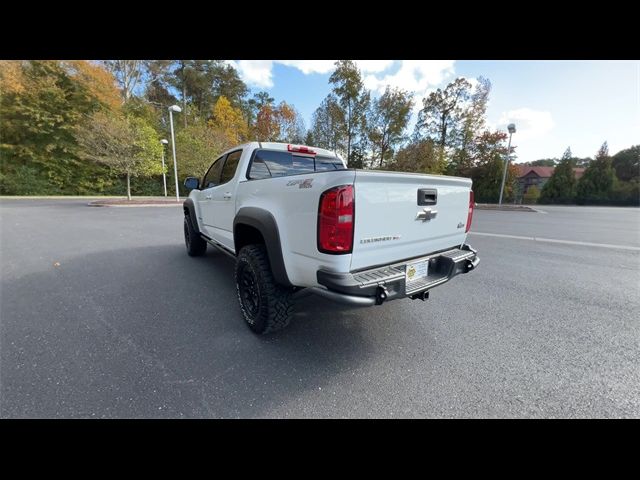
(512, 128)
(174, 108)
(164, 142)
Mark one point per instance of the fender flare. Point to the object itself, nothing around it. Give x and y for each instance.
(263, 221)
(190, 207)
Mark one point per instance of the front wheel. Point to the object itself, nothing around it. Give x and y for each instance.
(266, 306)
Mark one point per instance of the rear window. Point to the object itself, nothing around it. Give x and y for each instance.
(272, 163)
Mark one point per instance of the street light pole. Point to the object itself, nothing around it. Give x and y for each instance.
(174, 108)
(512, 129)
(164, 142)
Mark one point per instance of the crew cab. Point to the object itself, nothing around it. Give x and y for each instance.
(298, 221)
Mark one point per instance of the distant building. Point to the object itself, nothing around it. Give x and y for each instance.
(538, 176)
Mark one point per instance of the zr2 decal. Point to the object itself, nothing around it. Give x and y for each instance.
(306, 183)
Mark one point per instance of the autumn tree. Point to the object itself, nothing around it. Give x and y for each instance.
(255, 104)
(596, 184)
(127, 145)
(281, 123)
(41, 103)
(128, 73)
(229, 120)
(353, 100)
(386, 122)
(561, 187)
(292, 128)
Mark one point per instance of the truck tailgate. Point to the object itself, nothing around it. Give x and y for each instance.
(387, 204)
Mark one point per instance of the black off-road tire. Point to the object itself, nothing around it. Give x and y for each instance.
(196, 245)
(274, 307)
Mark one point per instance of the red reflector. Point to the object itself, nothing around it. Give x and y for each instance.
(335, 220)
(300, 149)
(470, 214)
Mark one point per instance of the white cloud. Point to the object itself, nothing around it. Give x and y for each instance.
(258, 73)
(413, 75)
(530, 123)
(420, 77)
(417, 76)
(373, 66)
(310, 66)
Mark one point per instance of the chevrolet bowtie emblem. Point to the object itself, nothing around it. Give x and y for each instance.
(426, 214)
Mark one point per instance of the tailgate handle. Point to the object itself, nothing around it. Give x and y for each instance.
(427, 196)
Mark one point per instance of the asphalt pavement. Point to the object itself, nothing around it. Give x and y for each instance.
(103, 314)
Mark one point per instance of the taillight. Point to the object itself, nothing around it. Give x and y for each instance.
(336, 220)
(470, 214)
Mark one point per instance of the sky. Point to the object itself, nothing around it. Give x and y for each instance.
(555, 104)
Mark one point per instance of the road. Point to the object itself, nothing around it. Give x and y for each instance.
(103, 314)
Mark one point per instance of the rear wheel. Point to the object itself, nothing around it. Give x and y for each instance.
(196, 246)
(266, 306)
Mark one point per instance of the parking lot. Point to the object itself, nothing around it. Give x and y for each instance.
(103, 314)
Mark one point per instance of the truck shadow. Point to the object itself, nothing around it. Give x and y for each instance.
(159, 334)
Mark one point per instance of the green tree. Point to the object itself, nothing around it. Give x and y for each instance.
(127, 145)
(489, 158)
(328, 125)
(419, 156)
(471, 124)
(627, 163)
(544, 162)
(596, 184)
(386, 122)
(532, 195)
(353, 100)
(442, 114)
(197, 146)
(561, 187)
(201, 83)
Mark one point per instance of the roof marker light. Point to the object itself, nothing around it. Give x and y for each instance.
(300, 149)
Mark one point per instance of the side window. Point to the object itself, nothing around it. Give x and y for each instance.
(259, 169)
(212, 178)
(230, 166)
(323, 164)
(270, 163)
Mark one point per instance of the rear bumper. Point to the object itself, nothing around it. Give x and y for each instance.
(384, 283)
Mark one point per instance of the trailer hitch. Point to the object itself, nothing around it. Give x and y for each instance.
(381, 294)
(422, 296)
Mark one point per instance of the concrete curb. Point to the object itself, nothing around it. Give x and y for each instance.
(505, 208)
(91, 204)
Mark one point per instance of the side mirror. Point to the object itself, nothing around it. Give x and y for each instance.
(191, 183)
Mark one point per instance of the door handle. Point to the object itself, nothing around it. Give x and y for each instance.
(208, 197)
(227, 195)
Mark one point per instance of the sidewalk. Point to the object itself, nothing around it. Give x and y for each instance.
(505, 207)
(137, 202)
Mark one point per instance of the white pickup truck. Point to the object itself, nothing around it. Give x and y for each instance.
(298, 221)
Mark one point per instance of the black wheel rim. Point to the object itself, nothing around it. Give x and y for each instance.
(187, 238)
(249, 293)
